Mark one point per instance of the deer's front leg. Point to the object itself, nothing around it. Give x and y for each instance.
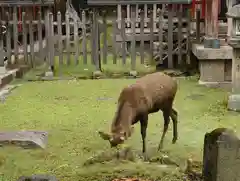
(144, 124)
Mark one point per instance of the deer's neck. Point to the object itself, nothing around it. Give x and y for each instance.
(124, 117)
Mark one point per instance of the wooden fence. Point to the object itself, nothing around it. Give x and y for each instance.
(150, 36)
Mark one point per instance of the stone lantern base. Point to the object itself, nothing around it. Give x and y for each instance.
(234, 102)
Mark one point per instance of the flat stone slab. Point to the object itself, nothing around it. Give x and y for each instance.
(5, 91)
(234, 102)
(25, 139)
(38, 178)
(104, 98)
(224, 52)
(195, 96)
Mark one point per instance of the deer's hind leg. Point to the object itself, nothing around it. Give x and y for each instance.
(166, 116)
(144, 124)
(174, 117)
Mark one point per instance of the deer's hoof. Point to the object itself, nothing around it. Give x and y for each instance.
(174, 140)
(145, 157)
(160, 147)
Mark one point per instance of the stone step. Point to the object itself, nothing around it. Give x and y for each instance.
(10, 75)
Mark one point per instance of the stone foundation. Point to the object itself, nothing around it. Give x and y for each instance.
(215, 65)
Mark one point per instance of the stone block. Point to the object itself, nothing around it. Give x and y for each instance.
(212, 70)
(25, 139)
(234, 102)
(225, 52)
(38, 178)
(2, 70)
(221, 156)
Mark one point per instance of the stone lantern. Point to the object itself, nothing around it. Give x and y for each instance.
(234, 42)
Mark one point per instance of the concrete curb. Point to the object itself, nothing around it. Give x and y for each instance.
(6, 90)
(11, 74)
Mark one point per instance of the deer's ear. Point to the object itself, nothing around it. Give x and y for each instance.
(104, 136)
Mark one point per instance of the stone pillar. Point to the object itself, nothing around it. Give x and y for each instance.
(234, 41)
(234, 98)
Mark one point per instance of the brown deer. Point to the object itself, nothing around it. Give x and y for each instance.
(149, 94)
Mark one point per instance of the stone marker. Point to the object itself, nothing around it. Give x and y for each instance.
(25, 139)
(221, 156)
(37, 178)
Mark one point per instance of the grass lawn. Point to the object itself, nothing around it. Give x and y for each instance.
(72, 112)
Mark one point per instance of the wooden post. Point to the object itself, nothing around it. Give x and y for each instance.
(208, 19)
(229, 20)
(198, 26)
(215, 7)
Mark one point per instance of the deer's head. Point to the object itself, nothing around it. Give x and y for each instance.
(116, 138)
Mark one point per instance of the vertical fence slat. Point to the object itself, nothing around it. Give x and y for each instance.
(51, 32)
(180, 11)
(40, 40)
(142, 36)
(76, 42)
(133, 40)
(105, 45)
(98, 50)
(84, 40)
(188, 37)
(31, 43)
(15, 34)
(170, 37)
(123, 34)
(160, 34)
(151, 36)
(93, 33)
(60, 45)
(128, 15)
(95, 37)
(68, 38)
(8, 41)
(145, 14)
(154, 17)
(2, 53)
(47, 35)
(119, 15)
(137, 15)
(114, 52)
